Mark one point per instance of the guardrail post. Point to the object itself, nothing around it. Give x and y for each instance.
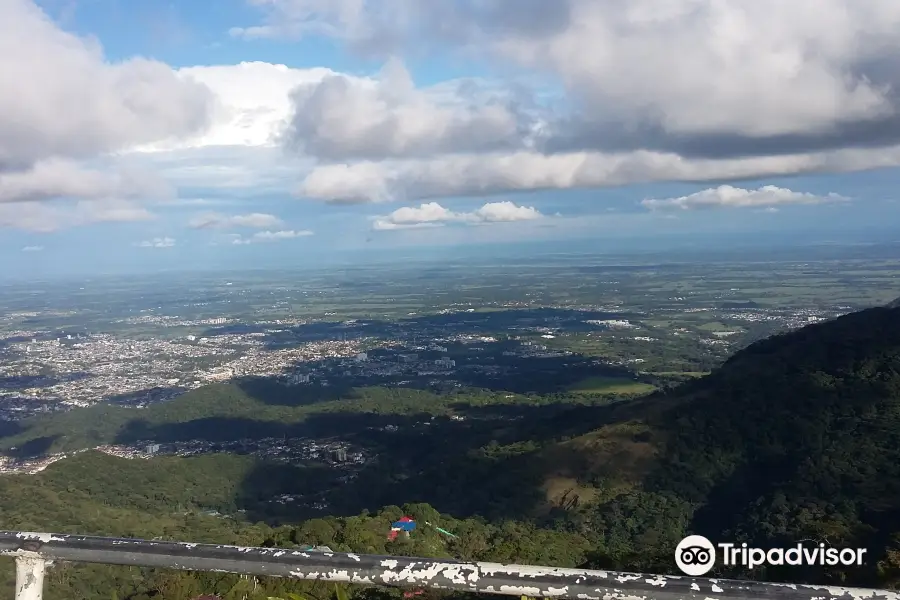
(30, 577)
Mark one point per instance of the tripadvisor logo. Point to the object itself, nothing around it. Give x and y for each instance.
(695, 555)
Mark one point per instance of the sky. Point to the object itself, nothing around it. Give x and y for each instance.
(149, 135)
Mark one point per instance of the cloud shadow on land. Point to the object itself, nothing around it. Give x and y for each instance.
(487, 464)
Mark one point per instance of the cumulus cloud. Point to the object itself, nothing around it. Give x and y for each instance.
(476, 175)
(252, 102)
(380, 224)
(60, 98)
(67, 114)
(220, 221)
(46, 217)
(595, 97)
(273, 236)
(432, 214)
(343, 117)
(53, 178)
(735, 75)
(237, 239)
(740, 93)
(255, 220)
(32, 249)
(57, 194)
(160, 242)
(768, 197)
(241, 153)
(505, 212)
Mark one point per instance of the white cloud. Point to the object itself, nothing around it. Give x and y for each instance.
(220, 221)
(60, 98)
(380, 224)
(46, 217)
(252, 103)
(432, 214)
(52, 179)
(595, 97)
(163, 242)
(735, 73)
(756, 89)
(237, 239)
(261, 107)
(256, 220)
(32, 249)
(505, 212)
(241, 152)
(474, 175)
(272, 236)
(227, 170)
(756, 69)
(66, 113)
(344, 117)
(726, 196)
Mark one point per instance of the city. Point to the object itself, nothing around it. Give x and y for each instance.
(42, 373)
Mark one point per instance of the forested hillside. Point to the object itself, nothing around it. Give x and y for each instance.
(795, 438)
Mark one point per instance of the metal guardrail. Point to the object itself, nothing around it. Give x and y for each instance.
(33, 552)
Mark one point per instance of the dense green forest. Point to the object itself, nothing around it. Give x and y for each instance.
(251, 408)
(795, 438)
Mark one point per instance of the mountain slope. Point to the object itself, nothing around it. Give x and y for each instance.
(796, 437)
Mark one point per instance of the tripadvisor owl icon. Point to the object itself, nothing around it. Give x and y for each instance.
(695, 555)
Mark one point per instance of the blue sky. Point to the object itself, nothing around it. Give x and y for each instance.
(159, 134)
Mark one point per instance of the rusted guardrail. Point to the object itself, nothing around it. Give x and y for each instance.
(32, 552)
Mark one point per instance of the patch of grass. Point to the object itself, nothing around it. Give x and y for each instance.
(600, 465)
(681, 373)
(566, 492)
(610, 385)
(661, 323)
(715, 326)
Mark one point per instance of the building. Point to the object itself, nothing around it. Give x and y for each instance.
(362, 357)
(152, 449)
(613, 323)
(298, 378)
(220, 374)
